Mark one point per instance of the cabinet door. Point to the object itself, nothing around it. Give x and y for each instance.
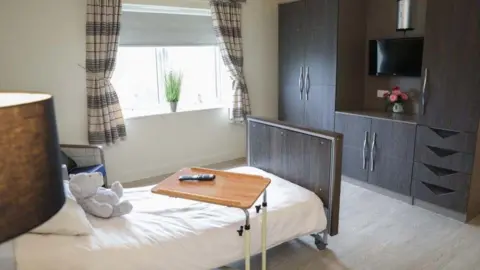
(391, 156)
(355, 130)
(353, 164)
(394, 139)
(452, 57)
(320, 107)
(321, 63)
(392, 173)
(291, 61)
(321, 41)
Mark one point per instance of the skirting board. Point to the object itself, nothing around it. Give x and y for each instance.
(394, 195)
(440, 210)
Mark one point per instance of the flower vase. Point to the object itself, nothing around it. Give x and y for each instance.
(398, 108)
(173, 106)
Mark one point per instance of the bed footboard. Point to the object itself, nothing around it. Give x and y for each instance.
(309, 158)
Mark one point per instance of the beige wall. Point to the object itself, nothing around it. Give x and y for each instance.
(7, 261)
(43, 42)
(381, 23)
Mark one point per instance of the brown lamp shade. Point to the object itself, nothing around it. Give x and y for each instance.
(31, 186)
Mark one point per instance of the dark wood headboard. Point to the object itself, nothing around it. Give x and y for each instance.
(309, 158)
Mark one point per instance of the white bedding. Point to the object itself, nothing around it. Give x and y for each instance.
(168, 233)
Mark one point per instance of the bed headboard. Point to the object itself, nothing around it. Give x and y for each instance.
(309, 158)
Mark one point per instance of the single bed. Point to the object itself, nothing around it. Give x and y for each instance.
(169, 233)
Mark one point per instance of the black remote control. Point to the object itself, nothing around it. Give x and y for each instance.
(197, 177)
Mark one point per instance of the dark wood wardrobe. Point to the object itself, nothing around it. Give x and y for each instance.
(447, 151)
(431, 159)
(308, 50)
(321, 60)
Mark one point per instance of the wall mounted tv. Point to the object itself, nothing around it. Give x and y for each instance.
(396, 57)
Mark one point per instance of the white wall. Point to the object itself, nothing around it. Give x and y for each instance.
(42, 43)
(6, 256)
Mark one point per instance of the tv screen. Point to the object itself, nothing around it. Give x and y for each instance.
(396, 57)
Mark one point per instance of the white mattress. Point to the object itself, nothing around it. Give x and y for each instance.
(169, 233)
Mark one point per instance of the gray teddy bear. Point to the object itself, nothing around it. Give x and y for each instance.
(96, 200)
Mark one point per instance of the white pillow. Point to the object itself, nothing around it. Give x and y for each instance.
(70, 220)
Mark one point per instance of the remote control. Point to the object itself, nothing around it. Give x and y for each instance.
(197, 177)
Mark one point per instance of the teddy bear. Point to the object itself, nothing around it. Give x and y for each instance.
(96, 200)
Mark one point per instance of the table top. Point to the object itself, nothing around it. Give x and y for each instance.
(228, 189)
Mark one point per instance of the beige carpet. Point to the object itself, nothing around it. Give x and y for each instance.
(378, 232)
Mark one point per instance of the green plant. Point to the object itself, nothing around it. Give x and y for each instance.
(173, 86)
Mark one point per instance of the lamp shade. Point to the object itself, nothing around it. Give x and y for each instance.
(31, 186)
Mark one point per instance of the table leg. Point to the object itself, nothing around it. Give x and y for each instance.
(247, 240)
(264, 231)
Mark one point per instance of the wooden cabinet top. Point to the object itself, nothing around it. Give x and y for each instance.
(404, 118)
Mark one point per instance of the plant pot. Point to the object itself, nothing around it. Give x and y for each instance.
(173, 106)
(398, 108)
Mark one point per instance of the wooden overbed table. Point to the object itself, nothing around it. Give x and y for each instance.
(228, 189)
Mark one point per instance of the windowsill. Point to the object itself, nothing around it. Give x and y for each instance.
(134, 114)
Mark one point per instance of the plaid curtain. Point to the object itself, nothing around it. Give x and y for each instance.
(105, 120)
(226, 15)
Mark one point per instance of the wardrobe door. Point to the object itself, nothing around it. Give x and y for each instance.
(291, 62)
(321, 63)
(451, 63)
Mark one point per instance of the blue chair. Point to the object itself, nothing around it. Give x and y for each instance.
(84, 159)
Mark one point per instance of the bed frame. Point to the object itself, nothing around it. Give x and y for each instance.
(309, 158)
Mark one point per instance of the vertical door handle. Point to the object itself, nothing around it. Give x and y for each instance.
(365, 150)
(300, 83)
(373, 151)
(424, 90)
(307, 83)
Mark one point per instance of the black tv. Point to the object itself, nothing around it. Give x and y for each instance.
(396, 57)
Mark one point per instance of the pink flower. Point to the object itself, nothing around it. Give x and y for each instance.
(396, 91)
(404, 96)
(385, 95)
(393, 98)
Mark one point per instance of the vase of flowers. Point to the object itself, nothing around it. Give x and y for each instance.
(173, 87)
(396, 98)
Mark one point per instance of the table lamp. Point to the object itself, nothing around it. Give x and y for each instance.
(31, 186)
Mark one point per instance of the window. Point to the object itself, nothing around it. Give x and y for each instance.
(152, 45)
(139, 78)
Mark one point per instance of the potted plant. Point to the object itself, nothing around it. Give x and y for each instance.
(397, 98)
(173, 87)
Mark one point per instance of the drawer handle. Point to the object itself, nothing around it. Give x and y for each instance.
(441, 152)
(424, 91)
(365, 151)
(439, 171)
(443, 133)
(373, 152)
(301, 83)
(437, 190)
